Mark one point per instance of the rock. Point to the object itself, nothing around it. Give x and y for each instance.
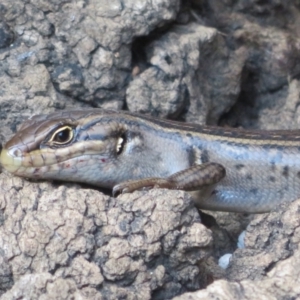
(231, 63)
(175, 84)
(276, 240)
(268, 266)
(280, 283)
(142, 243)
(6, 35)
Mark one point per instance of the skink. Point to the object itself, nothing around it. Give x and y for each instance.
(224, 169)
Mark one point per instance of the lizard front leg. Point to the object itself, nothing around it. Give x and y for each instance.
(194, 178)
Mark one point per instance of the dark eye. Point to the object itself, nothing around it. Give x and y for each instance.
(62, 136)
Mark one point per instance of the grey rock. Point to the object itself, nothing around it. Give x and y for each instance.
(192, 72)
(6, 35)
(268, 266)
(216, 62)
(93, 241)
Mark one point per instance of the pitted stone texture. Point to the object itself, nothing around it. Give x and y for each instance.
(235, 63)
(192, 73)
(80, 49)
(281, 283)
(141, 244)
(45, 286)
(276, 240)
(269, 265)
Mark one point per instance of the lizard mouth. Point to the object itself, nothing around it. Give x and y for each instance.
(38, 162)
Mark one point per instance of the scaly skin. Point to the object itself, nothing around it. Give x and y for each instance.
(108, 148)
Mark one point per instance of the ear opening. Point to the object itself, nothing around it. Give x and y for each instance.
(121, 142)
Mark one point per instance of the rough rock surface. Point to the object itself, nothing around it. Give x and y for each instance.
(82, 241)
(276, 240)
(280, 283)
(78, 49)
(233, 63)
(268, 267)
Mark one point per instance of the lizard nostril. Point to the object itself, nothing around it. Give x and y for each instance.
(16, 152)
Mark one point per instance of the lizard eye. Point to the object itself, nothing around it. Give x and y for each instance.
(62, 135)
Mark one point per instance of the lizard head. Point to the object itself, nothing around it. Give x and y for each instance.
(95, 146)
